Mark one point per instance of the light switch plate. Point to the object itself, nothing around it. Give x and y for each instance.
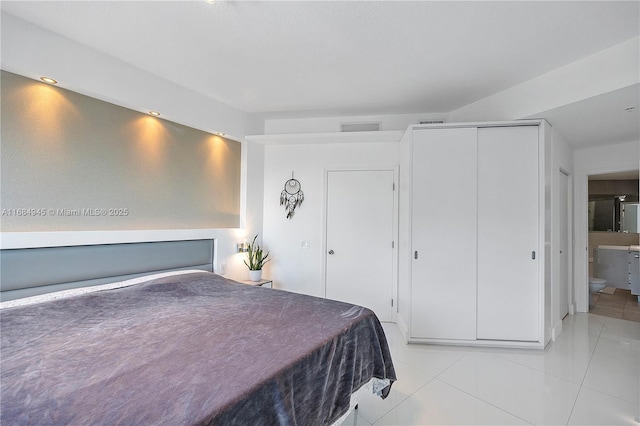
(304, 244)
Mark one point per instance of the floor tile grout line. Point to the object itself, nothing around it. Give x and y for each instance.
(596, 327)
(401, 402)
(590, 354)
(475, 396)
(532, 369)
(612, 307)
(538, 371)
(607, 394)
(586, 371)
(404, 399)
(486, 402)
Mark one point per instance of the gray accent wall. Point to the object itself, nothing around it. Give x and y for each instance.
(70, 162)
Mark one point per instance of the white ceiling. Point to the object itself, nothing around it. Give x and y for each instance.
(324, 58)
(600, 120)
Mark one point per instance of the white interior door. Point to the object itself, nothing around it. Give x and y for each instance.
(563, 300)
(359, 257)
(508, 234)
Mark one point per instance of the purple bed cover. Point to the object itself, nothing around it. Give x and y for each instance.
(187, 349)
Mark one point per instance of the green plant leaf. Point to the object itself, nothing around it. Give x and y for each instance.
(255, 256)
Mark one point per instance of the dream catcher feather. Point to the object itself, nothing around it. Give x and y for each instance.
(291, 196)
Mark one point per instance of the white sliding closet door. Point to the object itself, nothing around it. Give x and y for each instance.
(443, 227)
(508, 221)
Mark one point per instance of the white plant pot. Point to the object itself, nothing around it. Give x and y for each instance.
(255, 275)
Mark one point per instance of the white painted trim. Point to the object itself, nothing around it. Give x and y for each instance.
(480, 124)
(404, 329)
(244, 179)
(581, 262)
(481, 343)
(17, 240)
(581, 232)
(384, 136)
(556, 330)
(545, 234)
(570, 244)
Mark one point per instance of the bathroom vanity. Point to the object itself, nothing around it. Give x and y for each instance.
(634, 270)
(611, 263)
(619, 266)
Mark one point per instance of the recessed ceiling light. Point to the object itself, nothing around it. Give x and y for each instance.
(48, 80)
(154, 113)
(629, 108)
(210, 1)
(221, 134)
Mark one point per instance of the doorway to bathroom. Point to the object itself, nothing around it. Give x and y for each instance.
(614, 245)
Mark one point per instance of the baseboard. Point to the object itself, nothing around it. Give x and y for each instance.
(556, 331)
(404, 330)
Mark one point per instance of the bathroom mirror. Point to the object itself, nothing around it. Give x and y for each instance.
(614, 213)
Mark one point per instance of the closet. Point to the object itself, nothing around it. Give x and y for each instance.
(476, 232)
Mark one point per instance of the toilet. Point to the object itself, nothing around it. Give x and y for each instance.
(595, 285)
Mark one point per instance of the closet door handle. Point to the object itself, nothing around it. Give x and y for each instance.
(415, 254)
(533, 255)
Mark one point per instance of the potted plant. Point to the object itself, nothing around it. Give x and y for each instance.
(256, 258)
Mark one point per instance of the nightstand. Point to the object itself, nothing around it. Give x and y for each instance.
(261, 283)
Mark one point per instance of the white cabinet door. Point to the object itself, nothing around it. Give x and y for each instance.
(443, 228)
(508, 214)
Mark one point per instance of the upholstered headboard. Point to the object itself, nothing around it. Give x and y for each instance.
(28, 272)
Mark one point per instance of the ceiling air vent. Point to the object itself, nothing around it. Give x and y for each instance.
(431, 122)
(368, 126)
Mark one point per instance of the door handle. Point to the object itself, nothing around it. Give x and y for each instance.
(331, 251)
(533, 255)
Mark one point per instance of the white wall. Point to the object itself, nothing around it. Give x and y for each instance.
(591, 161)
(294, 268)
(332, 124)
(562, 161)
(250, 208)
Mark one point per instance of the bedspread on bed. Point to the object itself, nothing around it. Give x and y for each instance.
(190, 349)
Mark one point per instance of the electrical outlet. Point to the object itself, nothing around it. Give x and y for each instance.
(304, 244)
(223, 268)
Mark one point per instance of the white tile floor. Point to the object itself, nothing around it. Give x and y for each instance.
(589, 376)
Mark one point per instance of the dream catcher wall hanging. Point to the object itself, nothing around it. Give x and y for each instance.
(291, 196)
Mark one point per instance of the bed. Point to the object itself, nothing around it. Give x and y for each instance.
(185, 347)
